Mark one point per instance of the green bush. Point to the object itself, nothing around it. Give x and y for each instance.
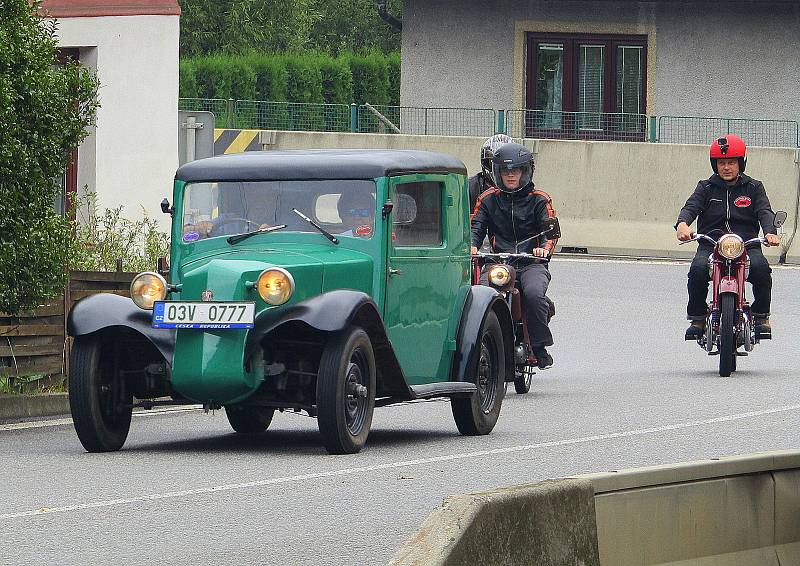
(305, 85)
(188, 80)
(309, 77)
(46, 110)
(337, 88)
(100, 238)
(370, 78)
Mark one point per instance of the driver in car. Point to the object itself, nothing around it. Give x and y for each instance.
(357, 211)
(512, 213)
(728, 201)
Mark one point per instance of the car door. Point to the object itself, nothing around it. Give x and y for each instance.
(422, 281)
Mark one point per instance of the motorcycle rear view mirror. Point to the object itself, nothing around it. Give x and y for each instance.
(552, 229)
(780, 218)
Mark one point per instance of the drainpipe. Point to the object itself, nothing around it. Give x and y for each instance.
(782, 258)
(383, 12)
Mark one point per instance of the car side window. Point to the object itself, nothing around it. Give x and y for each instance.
(417, 214)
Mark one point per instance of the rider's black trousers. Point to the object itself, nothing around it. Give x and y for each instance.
(760, 277)
(533, 281)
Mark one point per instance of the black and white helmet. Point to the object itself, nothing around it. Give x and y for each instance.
(512, 156)
(488, 149)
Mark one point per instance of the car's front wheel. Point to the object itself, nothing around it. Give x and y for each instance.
(248, 420)
(346, 391)
(99, 401)
(478, 413)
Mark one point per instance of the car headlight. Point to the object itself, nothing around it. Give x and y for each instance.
(499, 275)
(275, 286)
(147, 288)
(730, 246)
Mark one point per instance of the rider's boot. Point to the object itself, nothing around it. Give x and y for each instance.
(695, 330)
(543, 359)
(762, 326)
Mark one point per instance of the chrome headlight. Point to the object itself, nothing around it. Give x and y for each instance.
(730, 246)
(499, 275)
(275, 286)
(147, 288)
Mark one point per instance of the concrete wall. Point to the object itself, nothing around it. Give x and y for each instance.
(739, 511)
(612, 197)
(131, 156)
(471, 53)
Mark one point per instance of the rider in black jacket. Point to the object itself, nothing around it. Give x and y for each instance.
(482, 181)
(511, 214)
(729, 201)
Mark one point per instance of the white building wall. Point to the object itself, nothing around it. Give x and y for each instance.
(131, 157)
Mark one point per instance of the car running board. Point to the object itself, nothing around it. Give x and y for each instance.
(443, 389)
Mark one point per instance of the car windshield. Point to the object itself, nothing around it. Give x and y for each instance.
(342, 207)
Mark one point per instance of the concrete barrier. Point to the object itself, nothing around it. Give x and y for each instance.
(739, 511)
(612, 197)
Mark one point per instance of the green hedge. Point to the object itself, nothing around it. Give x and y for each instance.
(304, 77)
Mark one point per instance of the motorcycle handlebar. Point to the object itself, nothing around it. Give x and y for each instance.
(509, 255)
(697, 237)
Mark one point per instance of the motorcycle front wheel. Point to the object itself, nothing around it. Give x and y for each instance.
(727, 334)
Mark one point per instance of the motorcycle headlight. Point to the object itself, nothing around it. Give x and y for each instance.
(275, 286)
(730, 246)
(147, 288)
(499, 275)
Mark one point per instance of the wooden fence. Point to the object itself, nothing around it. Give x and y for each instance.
(35, 343)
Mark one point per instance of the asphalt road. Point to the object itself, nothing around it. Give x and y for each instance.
(626, 391)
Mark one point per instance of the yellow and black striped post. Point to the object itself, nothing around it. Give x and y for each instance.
(235, 141)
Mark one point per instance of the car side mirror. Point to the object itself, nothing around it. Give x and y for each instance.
(166, 208)
(780, 218)
(552, 229)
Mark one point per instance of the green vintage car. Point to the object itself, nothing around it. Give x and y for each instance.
(324, 281)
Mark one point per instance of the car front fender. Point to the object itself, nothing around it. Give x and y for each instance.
(331, 312)
(105, 310)
(480, 300)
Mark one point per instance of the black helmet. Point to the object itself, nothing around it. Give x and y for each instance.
(512, 156)
(489, 147)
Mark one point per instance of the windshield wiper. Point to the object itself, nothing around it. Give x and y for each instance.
(239, 237)
(324, 232)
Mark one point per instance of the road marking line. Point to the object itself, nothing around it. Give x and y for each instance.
(393, 465)
(68, 421)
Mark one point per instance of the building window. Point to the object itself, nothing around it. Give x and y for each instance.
(586, 86)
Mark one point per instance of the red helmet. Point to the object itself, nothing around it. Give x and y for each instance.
(728, 147)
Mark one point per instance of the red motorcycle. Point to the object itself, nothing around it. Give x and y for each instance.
(502, 275)
(729, 324)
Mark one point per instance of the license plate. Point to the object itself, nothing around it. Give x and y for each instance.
(183, 314)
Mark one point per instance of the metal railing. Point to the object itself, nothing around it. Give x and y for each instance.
(483, 122)
(428, 121)
(576, 125)
(223, 109)
(294, 116)
(699, 130)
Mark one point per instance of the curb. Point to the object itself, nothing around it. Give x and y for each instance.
(16, 407)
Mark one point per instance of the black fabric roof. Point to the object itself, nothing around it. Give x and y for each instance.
(318, 164)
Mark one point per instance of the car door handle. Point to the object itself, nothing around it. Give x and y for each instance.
(393, 271)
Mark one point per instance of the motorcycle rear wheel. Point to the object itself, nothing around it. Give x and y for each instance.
(727, 334)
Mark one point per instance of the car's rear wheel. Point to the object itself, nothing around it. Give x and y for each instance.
(248, 420)
(478, 413)
(346, 391)
(99, 400)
